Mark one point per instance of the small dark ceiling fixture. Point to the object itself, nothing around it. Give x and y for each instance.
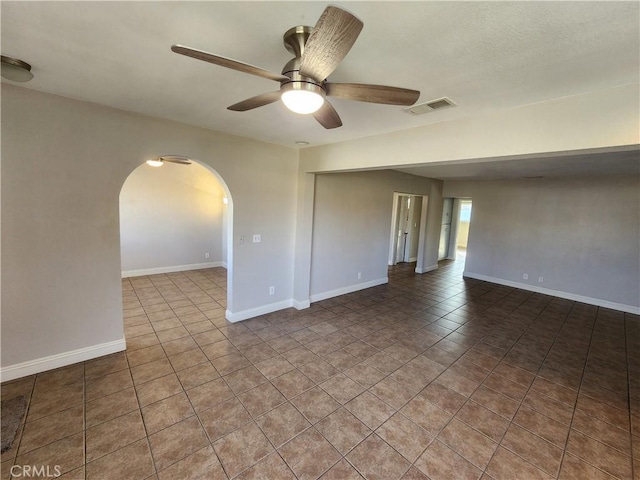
(16, 70)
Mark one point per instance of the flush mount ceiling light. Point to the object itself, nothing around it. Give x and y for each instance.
(159, 161)
(16, 70)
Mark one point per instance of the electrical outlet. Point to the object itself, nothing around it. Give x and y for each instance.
(272, 290)
(525, 276)
(240, 240)
(540, 279)
(206, 255)
(359, 275)
(257, 238)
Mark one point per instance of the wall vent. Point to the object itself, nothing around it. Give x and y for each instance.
(430, 106)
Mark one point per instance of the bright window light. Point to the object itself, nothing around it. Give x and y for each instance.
(302, 101)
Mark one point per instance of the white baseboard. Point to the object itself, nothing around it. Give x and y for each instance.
(254, 312)
(60, 360)
(413, 259)
(427, 269)
(349, 289)
(170, 269)
(301, 304)
(556, 293)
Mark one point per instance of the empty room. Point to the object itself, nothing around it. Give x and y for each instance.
(301, 240)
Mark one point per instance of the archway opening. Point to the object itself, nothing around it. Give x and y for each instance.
(176, 221)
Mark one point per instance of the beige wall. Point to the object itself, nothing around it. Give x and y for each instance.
(579, 234)
(352, 225)
(63, 165)
(170, 216)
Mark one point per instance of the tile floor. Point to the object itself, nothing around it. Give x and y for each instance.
(430, 376)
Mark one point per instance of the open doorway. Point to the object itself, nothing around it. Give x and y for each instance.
(454, 232)
(464, 221)
(406, 228)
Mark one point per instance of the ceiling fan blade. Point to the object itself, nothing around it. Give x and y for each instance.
(329, 42)
(372, 93)
(227, 62)
(255, 102)
(176, 159)
(327, 116)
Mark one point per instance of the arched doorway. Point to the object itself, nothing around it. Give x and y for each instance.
(178, 218)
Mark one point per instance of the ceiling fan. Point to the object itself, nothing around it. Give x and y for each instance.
(303, 83)
(160, 160)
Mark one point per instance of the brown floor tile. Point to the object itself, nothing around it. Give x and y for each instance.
(102, 366)
(177, 442)
(513, 355)
(603, 432)
(315, 404)
(543, 426)
(607, 413)
(364, 374)
(272, 466)
(392, 393)
(471, 444)
(145, 355)
(224, 418)
(425, 414)
(282, 423)
(439, 462)
(533, 449)
(496, 402)
(274, 367)
(227, 363)
(343, 430)
(203, 464)
(197, 375)
(242, 449)
(599, 455)
(113, 435)
(341, 471)
(133, 462)
(506, 465)
(150, 371)
(318, 370)
(187, 359)
(457, 383)
(158, 389)
(370, 410)
(209, 394)
(165, 413)
(67, 453)
(59, 399)
(261, 399)
(557, 392)
(575, 469)
(406, 437)
(309, 455)
(179, 345)
(48, 429)
(342, 388)
(443, 397)
(376, 460)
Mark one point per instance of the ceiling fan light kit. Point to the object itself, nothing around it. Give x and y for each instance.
(303, 83)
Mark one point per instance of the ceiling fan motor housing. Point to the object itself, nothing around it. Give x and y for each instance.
(294, 40)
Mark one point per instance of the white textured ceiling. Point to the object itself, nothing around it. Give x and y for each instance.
(485, 56)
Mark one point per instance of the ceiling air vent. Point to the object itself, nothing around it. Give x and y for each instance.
(437, 104)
